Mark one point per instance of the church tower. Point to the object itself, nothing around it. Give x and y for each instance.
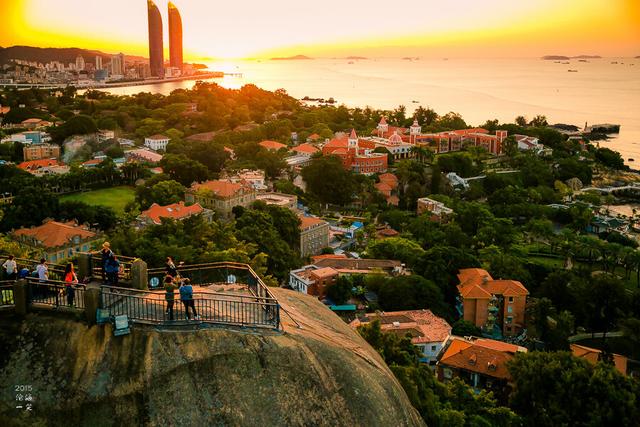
(353, 141)
(383, 127)
(414, 131)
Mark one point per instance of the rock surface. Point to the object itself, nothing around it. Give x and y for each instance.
(320, 374)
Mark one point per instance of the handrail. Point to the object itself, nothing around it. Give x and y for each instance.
(53, 282)
(196, 267)
(211, 299)
(161, 292)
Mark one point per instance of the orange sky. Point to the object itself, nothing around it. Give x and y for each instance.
(427, 28)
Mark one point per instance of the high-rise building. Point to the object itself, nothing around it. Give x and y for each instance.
(79, 63)
(98, 62)
(117, 64)
(175, 37)
(156, 54)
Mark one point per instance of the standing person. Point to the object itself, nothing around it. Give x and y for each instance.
(10, 268)
(70, 282)
(112, 268)
(105, 254)
(186, 296)
(172, 270)
(42, 273)
(169, 295)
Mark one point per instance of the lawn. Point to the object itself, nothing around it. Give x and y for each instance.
(116, 197)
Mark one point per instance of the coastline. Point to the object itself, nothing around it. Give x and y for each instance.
(199, 76)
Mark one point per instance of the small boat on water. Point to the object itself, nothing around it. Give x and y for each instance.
(572, 71)
(614, 62)
(415, 102)
(630, 159)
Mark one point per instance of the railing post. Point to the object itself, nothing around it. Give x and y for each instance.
(85, 267)
(21, 297)
(91, 303)
(139, 276)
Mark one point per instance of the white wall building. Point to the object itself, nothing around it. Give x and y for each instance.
(157, 142)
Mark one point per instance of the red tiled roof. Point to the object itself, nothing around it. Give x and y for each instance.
(353, 134)
(422, 325)
(317, 258)
(54, 234)
(309, 221)
(486, 357)
(314, 136)
(383, 187)
(37, 164)
(325, 272)
(32, 120)
(272, 145)
(468, 131)
(173, 211)
(388, 177)
(336, 143)
(93, 162)
(388, 232)
(305, 148)
(478, 283)
(157, 137)
(145, 154)
(221, 188)
(593, 356)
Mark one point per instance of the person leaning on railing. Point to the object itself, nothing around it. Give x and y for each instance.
(10, 268)
(186, 296)
(70, 282)
(169, 295)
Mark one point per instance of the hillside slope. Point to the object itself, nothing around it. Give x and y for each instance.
(322, 374)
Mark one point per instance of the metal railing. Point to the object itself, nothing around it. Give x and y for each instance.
(6, 293)
(224, 272)
(55, 293)
(210, 307)
(125, 266)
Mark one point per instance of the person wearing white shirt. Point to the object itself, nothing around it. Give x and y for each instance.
(42, 270)
(10, 268)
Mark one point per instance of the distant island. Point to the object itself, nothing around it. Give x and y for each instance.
(290, 58)
(564, 58)
(356, 57)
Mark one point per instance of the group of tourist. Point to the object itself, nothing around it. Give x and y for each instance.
(173, 282)
(41, 272)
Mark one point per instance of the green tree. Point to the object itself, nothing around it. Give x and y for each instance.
(554, 389)
(324, 176)
(183, 169)
(397, 248)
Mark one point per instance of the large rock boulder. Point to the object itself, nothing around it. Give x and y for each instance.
(320, 374)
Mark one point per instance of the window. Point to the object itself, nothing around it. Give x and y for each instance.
(510, 299)
(509, 320)
(510, 309)
(446, 372)
(433, 348)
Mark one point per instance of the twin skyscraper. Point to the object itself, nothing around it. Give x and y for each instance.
(156, 46)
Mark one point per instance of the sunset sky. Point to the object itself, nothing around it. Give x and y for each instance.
(427, 28)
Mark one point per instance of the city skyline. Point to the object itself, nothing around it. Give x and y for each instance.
(495, 28)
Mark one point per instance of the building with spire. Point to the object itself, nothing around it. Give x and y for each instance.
(175, 37)
(156, 48)
(357, 154)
